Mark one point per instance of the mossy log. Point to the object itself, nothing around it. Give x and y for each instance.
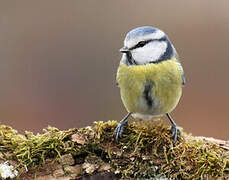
(144, 152)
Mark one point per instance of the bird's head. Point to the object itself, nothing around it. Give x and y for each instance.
(145, 45)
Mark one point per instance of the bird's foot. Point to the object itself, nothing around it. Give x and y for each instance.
(121, 127)
(175, 133)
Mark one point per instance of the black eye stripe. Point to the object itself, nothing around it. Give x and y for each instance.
(143, 43)
(162, 39)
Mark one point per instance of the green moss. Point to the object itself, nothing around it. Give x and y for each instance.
(143, 152)
(153, 153)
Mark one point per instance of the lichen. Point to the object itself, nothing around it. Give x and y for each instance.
(7, 171)
(143, 152)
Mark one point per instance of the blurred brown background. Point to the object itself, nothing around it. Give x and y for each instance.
(58, 61)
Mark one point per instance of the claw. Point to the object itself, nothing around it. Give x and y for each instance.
(174, 129)
(119, 131)
(175, 133)
(121, 127)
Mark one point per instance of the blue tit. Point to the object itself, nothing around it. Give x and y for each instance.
(150, 77)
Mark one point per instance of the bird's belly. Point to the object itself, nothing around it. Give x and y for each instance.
(146, 117)
(162, 96)
(162, 100)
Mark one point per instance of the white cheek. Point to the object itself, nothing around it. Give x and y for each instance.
(151, 52)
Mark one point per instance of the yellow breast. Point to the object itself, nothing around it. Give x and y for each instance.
(164, 80)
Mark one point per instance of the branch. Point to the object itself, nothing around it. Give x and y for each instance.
(144, 152)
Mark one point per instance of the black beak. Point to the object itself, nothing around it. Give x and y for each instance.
(124, 50)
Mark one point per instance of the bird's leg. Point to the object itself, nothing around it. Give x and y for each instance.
(121, 127)
(174, 129)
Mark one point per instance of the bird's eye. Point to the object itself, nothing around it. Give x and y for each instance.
(141, 43)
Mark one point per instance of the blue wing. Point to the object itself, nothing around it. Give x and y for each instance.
(182, 75)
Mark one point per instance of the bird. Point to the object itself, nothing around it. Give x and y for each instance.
(150, 77)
